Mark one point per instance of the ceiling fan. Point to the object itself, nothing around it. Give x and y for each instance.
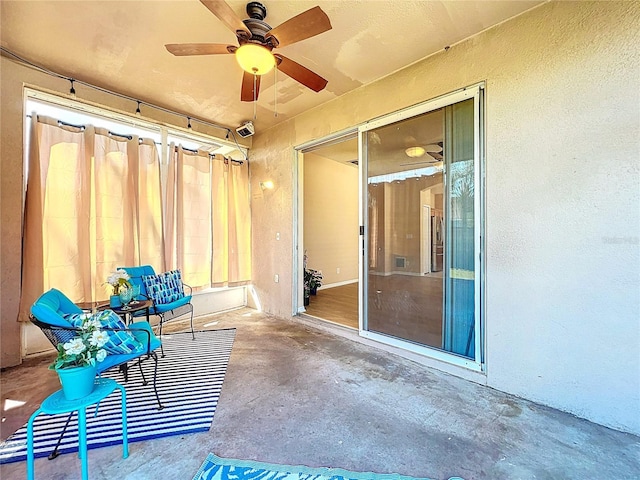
(256, 40)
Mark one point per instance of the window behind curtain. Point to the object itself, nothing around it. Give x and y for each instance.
(109, 183)
(208, 218)
(92, 203)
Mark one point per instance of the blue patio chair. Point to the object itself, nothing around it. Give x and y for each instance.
(166, 306)
(53, 313)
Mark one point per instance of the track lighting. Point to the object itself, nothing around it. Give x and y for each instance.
(72, 90)
(189, 123)
(138, 109)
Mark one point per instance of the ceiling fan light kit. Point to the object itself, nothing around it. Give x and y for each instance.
(415, 152)
(256, 40)
(255, 59)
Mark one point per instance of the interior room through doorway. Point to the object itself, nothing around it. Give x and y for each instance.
(331, 230)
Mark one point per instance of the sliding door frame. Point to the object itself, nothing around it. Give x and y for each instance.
(297, 284)
(475, 92)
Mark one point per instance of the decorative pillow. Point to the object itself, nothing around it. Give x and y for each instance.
(164, 287)
(75, 319)
(120, 342)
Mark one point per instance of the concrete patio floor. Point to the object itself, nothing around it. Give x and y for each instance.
(296, 394)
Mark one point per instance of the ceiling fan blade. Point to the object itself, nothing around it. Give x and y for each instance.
(412, 163)
(224, 12)
(432, 148)
(300, 74)
(426, 163)
(426, 158)
(182, 49)
(247, 93)
(305, 25)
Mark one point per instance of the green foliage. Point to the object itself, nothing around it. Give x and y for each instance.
(85, 348)
(312, 280)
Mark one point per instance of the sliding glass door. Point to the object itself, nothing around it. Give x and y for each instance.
(421, 268)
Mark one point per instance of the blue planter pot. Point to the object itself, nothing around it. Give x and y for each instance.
(77, 382)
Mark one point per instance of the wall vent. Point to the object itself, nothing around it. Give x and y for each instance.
(401, 262)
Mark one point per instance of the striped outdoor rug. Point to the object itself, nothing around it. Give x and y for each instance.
(189, 383)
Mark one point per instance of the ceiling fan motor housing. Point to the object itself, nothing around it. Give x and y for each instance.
(258, 29)
(256, 10)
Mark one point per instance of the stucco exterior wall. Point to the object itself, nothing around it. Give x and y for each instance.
(562, 199)
(11, 181)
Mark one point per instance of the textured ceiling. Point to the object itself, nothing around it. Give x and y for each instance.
(119, 45)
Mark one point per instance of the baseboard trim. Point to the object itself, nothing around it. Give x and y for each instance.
(338, 284)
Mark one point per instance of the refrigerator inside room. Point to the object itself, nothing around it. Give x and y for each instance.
(437, 248)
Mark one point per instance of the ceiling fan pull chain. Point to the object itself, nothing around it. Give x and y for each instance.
(255, 99)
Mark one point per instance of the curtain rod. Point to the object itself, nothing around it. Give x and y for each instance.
(130, 137)
(211, 155)
(189, 118)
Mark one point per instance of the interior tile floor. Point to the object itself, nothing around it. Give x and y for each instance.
(298, 394)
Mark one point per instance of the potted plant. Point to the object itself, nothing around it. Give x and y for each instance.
(77, 358)
(316, 281)
(119, 280)
(307, 285)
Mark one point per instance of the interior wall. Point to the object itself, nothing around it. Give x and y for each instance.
(562, 218)
(14, 77)
(331, 218)
(401, 223)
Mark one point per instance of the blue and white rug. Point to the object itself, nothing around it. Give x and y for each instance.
(216, 468)
(189, 382)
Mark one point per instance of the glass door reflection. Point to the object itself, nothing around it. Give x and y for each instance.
(420, 264)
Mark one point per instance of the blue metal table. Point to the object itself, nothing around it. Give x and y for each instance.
(56, 403)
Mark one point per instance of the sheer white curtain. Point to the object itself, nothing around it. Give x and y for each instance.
(208, 221)
(93, 203)
(239, 222)
(188, 225)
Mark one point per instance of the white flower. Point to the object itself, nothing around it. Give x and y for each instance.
(94, 323)
(86, 347)
(114, 278)
(74, 346)
(101, 355)
(99, 338)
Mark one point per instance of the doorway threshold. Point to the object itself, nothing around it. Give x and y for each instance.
(330, 323)
(353, 334)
